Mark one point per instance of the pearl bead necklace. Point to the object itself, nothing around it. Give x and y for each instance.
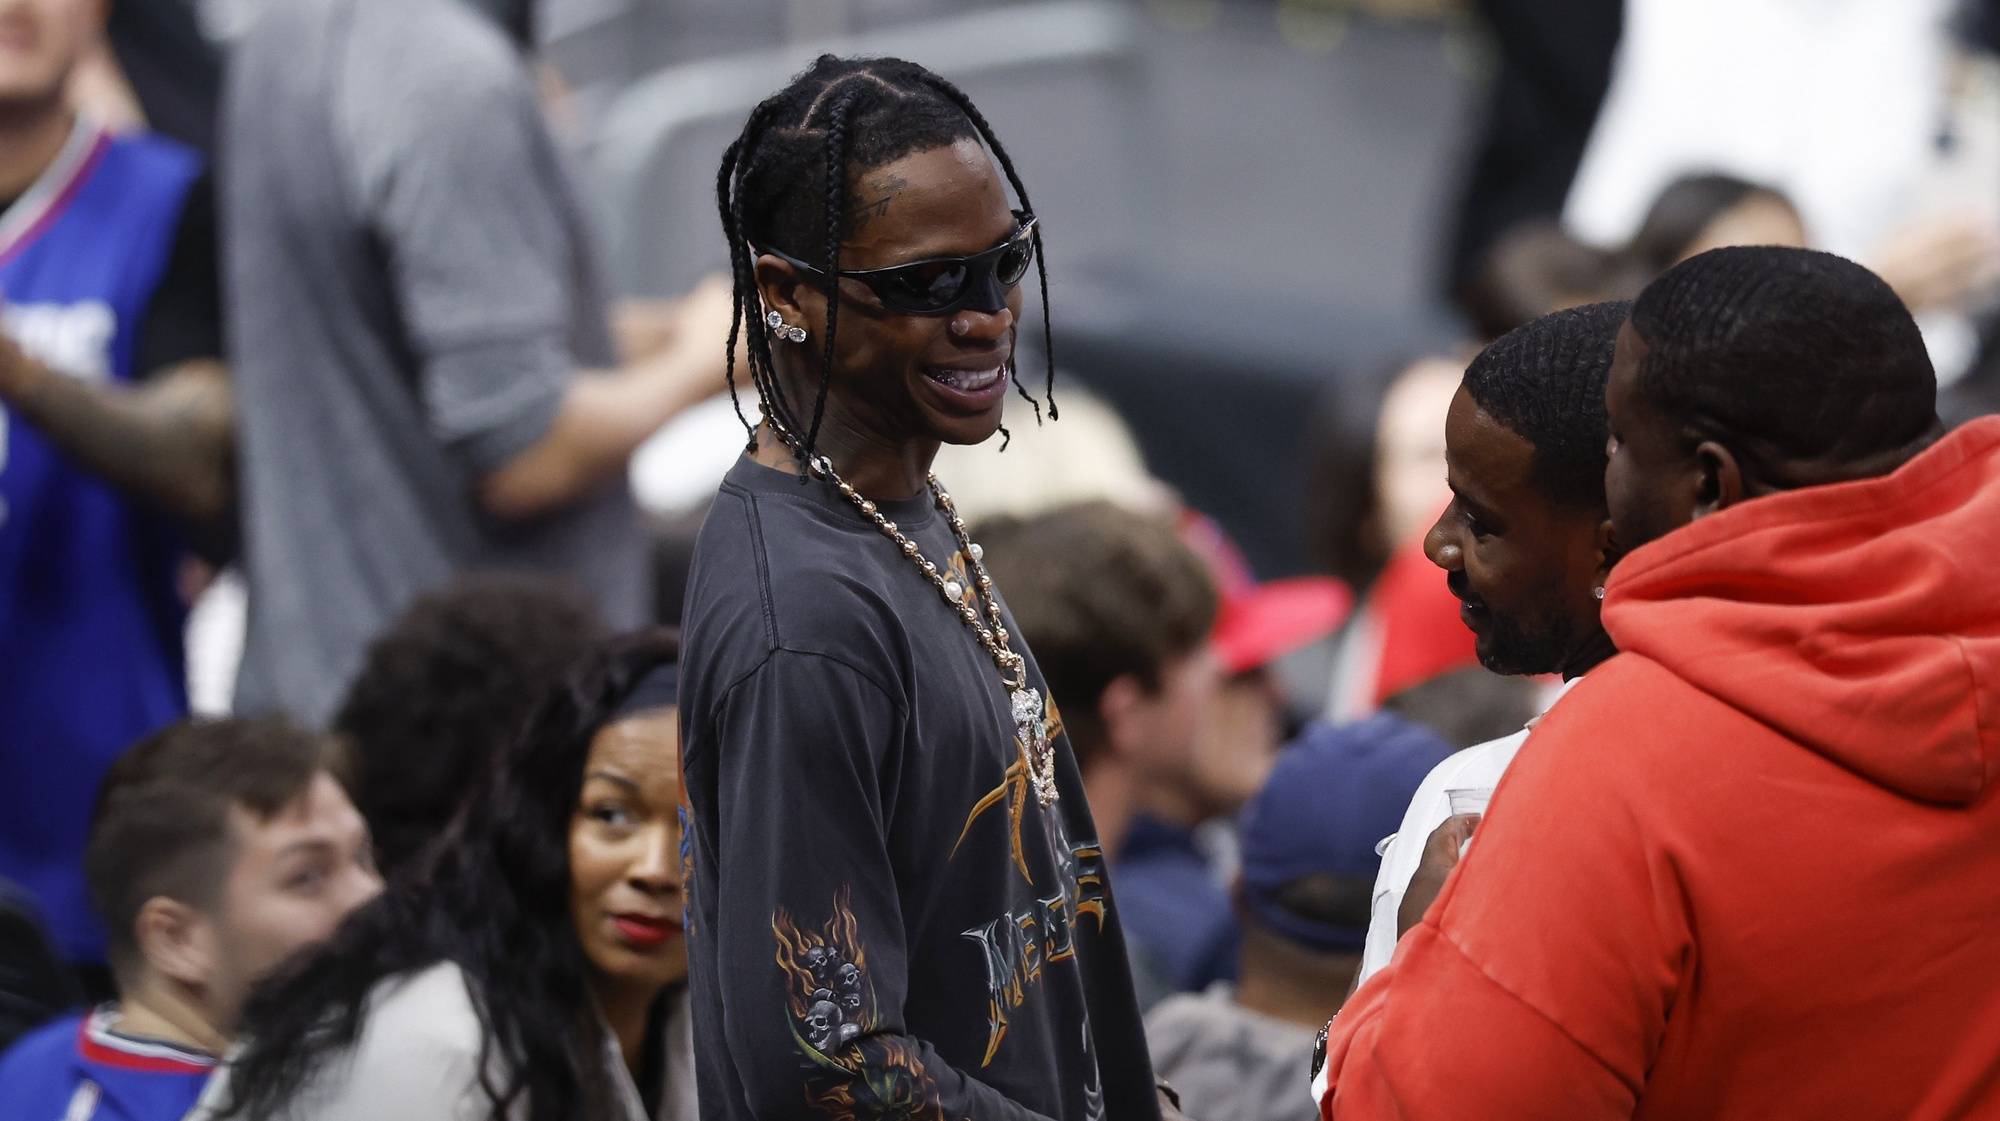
(1028, 706)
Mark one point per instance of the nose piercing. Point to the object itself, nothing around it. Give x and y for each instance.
(960, 327)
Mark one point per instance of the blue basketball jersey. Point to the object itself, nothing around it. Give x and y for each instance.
(79, 1069)
(90, 621)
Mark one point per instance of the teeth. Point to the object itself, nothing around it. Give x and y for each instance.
(967, 381)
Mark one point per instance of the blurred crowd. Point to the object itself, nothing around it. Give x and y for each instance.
(364, 586)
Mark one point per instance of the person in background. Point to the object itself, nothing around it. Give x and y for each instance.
(1375, 465)
(1746, 868)
(35, 985)
(1525, 548)
(1704, 211)
(115, 448)
(531, 969)
(1127, 660)
(1309, 835)
(1534, 269)
(1259, 626)
(219, 849)
(446, 688)
(1552, 69)
(1164, 682)
(419, 395)
(1129, 664)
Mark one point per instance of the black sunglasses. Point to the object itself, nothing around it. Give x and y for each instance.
(942, 285)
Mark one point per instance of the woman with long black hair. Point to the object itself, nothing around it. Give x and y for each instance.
(530, 967)
(898, 904)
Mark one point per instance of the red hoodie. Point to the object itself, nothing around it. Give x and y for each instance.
(1750, 867)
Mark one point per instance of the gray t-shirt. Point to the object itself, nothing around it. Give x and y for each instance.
(410, 293)
(1227, 1061)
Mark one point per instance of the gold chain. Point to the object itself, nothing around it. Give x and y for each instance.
(1013, 668)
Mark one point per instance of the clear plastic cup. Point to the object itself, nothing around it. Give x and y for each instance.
(1468, 800)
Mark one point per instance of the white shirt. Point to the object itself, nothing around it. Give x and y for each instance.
(416, 1058)
(1403, 850)
(1834, 102)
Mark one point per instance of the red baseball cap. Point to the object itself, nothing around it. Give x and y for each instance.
(1256, 623)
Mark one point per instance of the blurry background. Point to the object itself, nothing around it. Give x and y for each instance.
(1244, 201)
(1257, 207)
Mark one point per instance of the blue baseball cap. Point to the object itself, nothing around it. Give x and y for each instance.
(1334, 792)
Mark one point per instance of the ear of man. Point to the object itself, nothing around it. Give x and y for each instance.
(1720, 483)
(1121, 712)
(176, 940)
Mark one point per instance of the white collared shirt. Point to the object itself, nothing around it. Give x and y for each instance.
(1401, 851)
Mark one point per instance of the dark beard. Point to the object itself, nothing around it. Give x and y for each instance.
(1532, 646)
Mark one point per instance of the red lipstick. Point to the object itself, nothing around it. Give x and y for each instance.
(645, 932)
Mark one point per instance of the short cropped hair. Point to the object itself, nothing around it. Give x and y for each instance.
(161, 823)
(1792, 354)
(1099, 592)
(1544, 381)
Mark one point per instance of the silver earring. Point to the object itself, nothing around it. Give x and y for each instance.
(777, 324)
(1598, 591)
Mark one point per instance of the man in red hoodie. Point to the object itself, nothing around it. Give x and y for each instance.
(1750, 867)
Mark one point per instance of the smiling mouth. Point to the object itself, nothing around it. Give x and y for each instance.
(966, 381)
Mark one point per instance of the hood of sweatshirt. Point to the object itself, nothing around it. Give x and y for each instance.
(1861, 619)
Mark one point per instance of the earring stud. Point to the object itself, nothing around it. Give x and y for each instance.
(1598, 591)
(777, 325)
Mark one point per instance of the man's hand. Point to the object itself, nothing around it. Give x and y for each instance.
(169, 440)
(1440, 857)
(604, 417)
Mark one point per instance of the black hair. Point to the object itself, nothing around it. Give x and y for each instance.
(493, 900)
(1792, 355)
(447, 687)
(1544, 381)
(783, 184)
(1682, 210)
(161, 821)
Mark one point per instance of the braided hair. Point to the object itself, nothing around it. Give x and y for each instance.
(783, 184)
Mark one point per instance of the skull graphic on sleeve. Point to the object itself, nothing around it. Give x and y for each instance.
(822, 1023)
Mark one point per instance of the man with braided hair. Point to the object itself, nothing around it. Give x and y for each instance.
(898, 904)
(1746, 868)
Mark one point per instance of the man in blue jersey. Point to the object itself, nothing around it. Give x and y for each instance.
(219, 848)
(115, 446)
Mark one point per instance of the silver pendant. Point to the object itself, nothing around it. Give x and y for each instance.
(1034, 733)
